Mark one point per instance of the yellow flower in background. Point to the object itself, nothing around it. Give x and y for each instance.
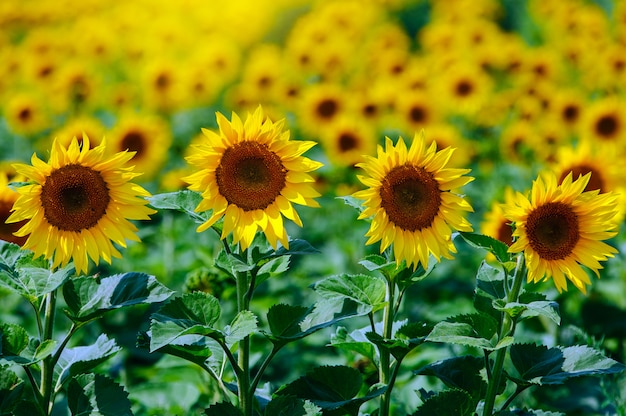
(495, 224)
(7, 198)
(409, 197)
(560, 228)
(80, 202)
(250, 174)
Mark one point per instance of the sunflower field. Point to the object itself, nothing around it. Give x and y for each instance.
(312, 207)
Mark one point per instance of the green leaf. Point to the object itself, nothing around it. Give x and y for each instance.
(284, 320)
(14, 340)
(476, 330)
(97, 395)
(448, 402)
(296, 246)
(367, 291)
(232, 263)
(490, 281)
(244, 324)
(405, 339)
(44, 350)
(270, 268)
(291, 406)
(41, 281)
(496, 247)
(222, 409)
(332, 388)
(9, 254)
(461, 373)
(79, 360)
(537, 364)
(88, 298)
(528, 412)
(353, 202)
(520, 311)
(356, 341)
(184, 201)
(11, 390)
(197, 349)
(193, 313)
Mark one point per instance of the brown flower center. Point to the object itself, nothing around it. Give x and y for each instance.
(411, 197)
(607, 126)
(464, 88)
(570, 113)
(418, 114)
(553, 230)
(595, 182)
(74, 198)
(327, 108)
(250, 175)
(133, 141)
(505, 233)
(347, 141)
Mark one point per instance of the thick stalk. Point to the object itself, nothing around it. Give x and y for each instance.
(384, 368)
(47, 368)
(243, 380)
(507, 329)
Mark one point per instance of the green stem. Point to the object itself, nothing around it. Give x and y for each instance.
(266, 362)
(385, 355)
(243, 380)
(47, 369)
(507, 329)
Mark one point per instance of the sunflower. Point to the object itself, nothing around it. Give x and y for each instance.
(604, 121)
(78, 204)
(495, 223)
(561, 228)
(409, 197)
(7, 198)
(251, 173)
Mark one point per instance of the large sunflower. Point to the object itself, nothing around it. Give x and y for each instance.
(250, 173)
(561, 228)
(78, 204)
(409, 197)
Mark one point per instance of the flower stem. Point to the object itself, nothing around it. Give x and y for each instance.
(384, 367)
(47, 369)
(507, 329)
(243, 379)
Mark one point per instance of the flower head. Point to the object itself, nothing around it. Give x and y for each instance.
(250, 174)
(561, 228)
(409, 197)
(78, 204)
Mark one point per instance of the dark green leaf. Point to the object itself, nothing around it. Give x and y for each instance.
(97, 395)
(296, 246)
(88, 298)
(405, 339)
(448, 402)
(284, 320)
(496, 247)
(459, 373)
(197, 349)
(184, 201)
(11, 390)
(368, 291)
(222, 409)
(332, 388)
(291, 406)
(528, 412)
(79, 360)
(537, 364)
(193, 313)
(14, 340)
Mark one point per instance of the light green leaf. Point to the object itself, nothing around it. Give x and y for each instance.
(353, 202)
(193, 313)
(88, 298)
(490, 281)
(97, 395)
(79, 360)
(232, 263)
(14, 340)
(368, 291)
(549, 309)
(44, 350)
(476, 330)
(355, 341)
(496, 247)
(184, 201)
(244, 324)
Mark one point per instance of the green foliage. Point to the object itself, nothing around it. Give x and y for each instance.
(333, 388)
(97, 395)
(448, 402)
(83, 359)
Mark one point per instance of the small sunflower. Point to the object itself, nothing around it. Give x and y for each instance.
(561, 228)
(409, 197)
(251, 173)
(80, 202)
